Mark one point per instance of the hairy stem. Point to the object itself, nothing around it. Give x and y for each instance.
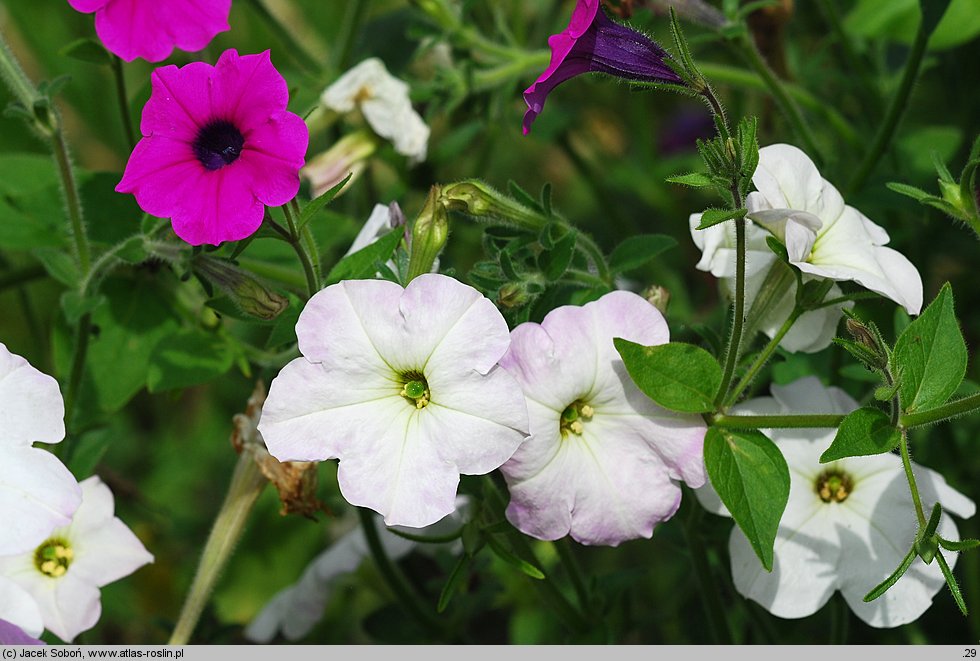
(940, 413)
(296, 241)
(803, 421)
(763, 357)
(123, 98)
(910, 476)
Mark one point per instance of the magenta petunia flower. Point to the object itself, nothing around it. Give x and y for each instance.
(592, 42)
(218, 146)
(150, 29)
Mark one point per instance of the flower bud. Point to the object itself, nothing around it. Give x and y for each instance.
(348, 156)
(429, 234)
(250, 295)
(658, 297)
(477, 199)
(513, 295)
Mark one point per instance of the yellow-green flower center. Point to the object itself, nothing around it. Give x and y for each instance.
(833, 486)
(54, 557)
(415, 389)
(574, 417)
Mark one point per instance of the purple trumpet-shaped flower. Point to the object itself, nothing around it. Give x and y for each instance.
(594, 43)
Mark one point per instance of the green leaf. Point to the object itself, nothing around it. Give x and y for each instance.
(694, 180)
(959, 546)
(188, 358)
(931, 355)
(864, 432)
(553, 263)
(525, 567)
(453, 583)
(882, 587)
(89, 449)
(712, 217)
(365, 262)
(87, 50)
(314, 205)
(954, 587)
(752, 479)
(59, 266)
(909, 191)
(636, 251)
(678, 376)
(75, 304)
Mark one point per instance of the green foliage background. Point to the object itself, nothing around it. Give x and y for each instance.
(602, 147)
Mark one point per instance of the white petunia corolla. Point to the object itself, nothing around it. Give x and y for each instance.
(603, 462)
(64, 573)
(847, 526)
(37, 492)
(823, 236)
(402, 386)
(384, 101)
(295, 610)
(812, 332)
(18, 608)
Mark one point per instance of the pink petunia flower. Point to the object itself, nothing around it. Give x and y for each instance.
(150, 29)
(603, 462)
(218, 146)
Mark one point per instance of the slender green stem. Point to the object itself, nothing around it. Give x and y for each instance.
(568, 560)
(910, 476)
(763, 357)
(427, 539)
(286, 38)
(486, 79)
(847, 298)
(721, 633)
(896, 108)
(123, 98)
(803, 421)
(21, 276)
(950, 410)
(18, 82)
(246, 485)
(779, 94)
(82, 335)
(353, 16)
(735, 339)
(296, 242)
(591, 248)
(69, 187)
(396, 581)
(722, 73)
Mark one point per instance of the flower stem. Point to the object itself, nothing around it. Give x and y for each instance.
(568, 560)
(283, 34)
(82, 335)
(69, 187)
(247, 483)
(895, 109)
(940, 413)
(735, 339)
(295, 240)
(803, 421)
(123, 98)
(591, 248)
(721, 633)
(763, 357)
(783, 100)
(393, 577)
(913, 487)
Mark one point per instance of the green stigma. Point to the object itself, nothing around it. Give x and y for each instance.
(573, 418)
(415, 389)
(833, 486)
(53, 557)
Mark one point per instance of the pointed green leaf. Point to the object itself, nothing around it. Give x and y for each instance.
(712, 217)
(525, 567)
(454, 582)
(365, 262)
(882, 587)
(864, 432)
(931, 356)
(909, 191)
(314, 205)
(752, 479)
(694, 180)
(87, 50)
(678, 376)
(636, 251)
(960, 546)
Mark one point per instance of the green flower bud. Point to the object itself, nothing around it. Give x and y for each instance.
(475, 198)
(429, 234)
(244, 289)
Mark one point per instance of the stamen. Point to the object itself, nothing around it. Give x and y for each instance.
(415, 389)
(833, 486)
(574, 417)
(54, 557)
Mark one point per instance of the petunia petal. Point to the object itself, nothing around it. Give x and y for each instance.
(68, 605)
(272, 157)
(18, 608)
(31, 406)
(180, 102)
(247, 89)
(789, 180)
(37, 495)
(222, 208)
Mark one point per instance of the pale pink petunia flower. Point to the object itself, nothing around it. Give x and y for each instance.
(218, 147)
(401, 385)
(37, 492)
(64, 573)
(604, 462)
(151, 29)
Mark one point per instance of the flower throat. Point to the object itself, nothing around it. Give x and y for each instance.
(218, 143)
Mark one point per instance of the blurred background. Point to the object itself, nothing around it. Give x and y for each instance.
(605, 150)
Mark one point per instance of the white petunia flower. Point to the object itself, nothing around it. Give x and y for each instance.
(19, 608)
(37, 492)
(295, 610)
(604, 462)
(382, 220)
(64, 573)
(402, 386)
(384, 101)
(847, 526)
(812, 332)
(823, 236)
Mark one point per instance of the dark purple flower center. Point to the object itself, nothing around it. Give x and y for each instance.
(218, 143)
